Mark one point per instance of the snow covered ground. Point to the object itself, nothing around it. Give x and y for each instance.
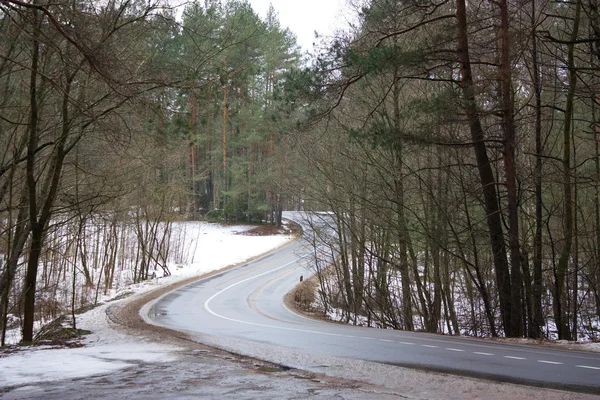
(107, 350)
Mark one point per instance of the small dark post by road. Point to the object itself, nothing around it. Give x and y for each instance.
(278, 211)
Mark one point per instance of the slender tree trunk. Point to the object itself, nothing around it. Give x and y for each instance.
(359, 278)
(595, 51)
(36, 230)
(538, 318)
(528, 322)
(344, 265)
(474, 320)
(194, 203)
(560, 306)
(435, 238)
(401, 218)
(510, 172)
(595, 270)
(575, 271)
(225, 167)
(486, 174)
(4, 307)
(74, 287)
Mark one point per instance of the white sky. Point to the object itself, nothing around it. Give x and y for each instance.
(304, 17)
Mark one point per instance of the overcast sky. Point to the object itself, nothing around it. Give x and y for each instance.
(304, 17)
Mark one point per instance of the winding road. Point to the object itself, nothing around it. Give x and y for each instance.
(247, 303)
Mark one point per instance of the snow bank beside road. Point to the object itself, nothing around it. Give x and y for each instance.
(211, 247)
(215, 247)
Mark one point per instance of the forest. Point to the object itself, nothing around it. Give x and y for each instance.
(118, 120)
(453, 146)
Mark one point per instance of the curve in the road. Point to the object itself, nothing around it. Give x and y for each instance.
(247, 303)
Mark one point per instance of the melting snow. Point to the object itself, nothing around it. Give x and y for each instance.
(214, 247)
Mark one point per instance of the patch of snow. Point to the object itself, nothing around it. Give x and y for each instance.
(214, 247)
(106, 351)
(208, 247)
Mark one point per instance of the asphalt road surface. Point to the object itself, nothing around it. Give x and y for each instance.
(247, 303)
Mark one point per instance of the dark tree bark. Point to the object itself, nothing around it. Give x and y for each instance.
(560, 304)
(402, 228)
(486, 174)
(36, 230)
(508, 124)
(595, 268)
(537, 319)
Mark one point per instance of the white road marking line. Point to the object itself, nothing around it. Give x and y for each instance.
(367, 338)
(549, 362)
(587, 367)
(386, 340)
(207, 306)
(483, 354)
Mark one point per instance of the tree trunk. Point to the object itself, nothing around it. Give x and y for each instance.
(40, 217)
(560, 304)
(537, 318)
(484, 167)
(401, 218)
(194, 201)
(595, 50)
(510, 172)
(36, 230)
(575, 275)
(528, 294)
(224, 144)
(595, 268)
